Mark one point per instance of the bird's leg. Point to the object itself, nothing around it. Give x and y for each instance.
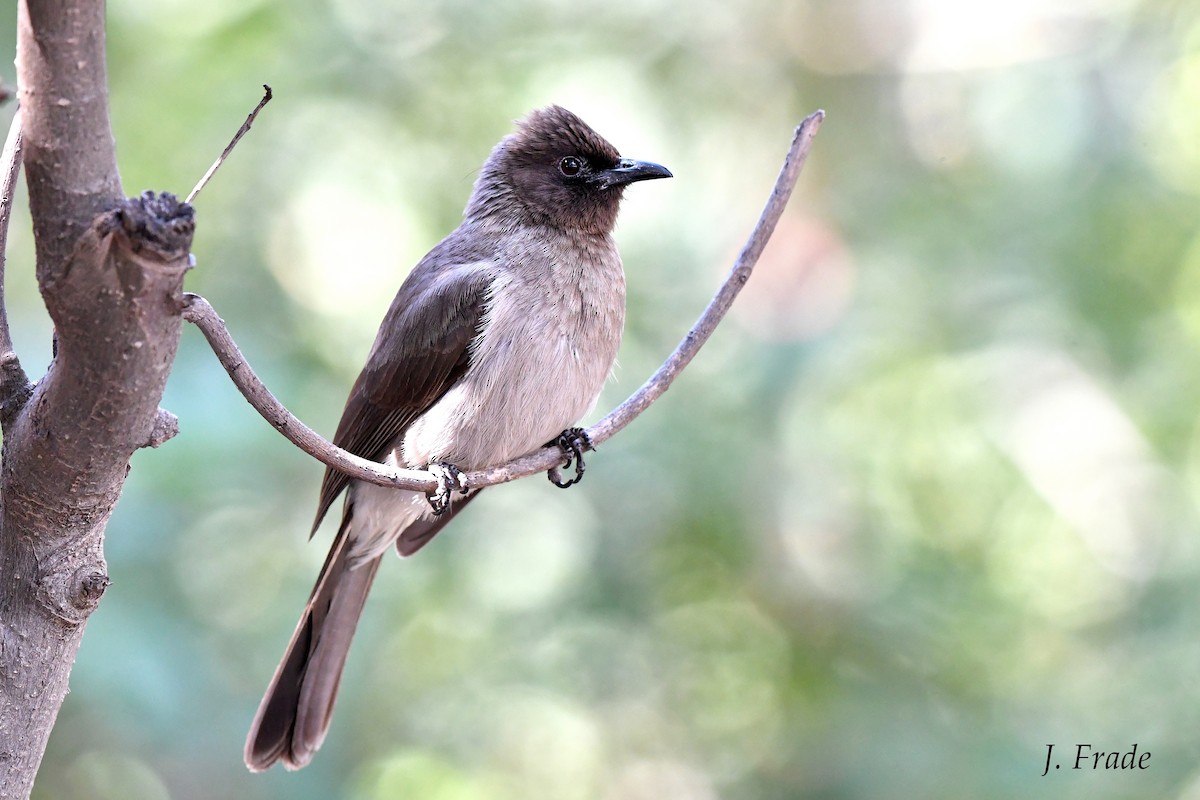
(449, 478)
(573, 442)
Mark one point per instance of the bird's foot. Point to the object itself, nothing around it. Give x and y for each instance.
(573, 442)
(449, 478)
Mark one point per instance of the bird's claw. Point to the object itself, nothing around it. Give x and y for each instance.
(573, 442)
(449, 478)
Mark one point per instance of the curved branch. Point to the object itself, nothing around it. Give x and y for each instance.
(661, 380)
(198, 311)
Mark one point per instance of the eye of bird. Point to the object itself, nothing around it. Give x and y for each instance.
(570, 166)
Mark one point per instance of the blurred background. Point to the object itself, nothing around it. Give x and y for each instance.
(925, 504)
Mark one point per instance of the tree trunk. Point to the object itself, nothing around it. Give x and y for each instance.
(111, 273)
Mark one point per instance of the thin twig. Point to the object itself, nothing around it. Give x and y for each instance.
(242, 131)
(197, 310)
(14, 383)
(10, 163)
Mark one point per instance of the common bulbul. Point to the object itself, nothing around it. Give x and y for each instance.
(497, 342)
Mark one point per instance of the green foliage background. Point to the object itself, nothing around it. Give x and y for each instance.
(926, 503)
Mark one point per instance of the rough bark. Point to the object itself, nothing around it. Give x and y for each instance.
(111, 273)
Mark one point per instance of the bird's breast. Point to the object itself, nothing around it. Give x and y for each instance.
(547, 344)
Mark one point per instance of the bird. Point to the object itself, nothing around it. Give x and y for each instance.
(498, 341)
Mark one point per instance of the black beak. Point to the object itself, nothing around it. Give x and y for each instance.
(629, 171)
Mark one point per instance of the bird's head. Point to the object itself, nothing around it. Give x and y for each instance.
(556, 170)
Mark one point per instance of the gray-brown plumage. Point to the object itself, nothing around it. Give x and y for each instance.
(498, 340)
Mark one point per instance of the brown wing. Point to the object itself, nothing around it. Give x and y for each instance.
(421, 350)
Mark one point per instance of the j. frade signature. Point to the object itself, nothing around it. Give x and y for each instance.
(1087, 757)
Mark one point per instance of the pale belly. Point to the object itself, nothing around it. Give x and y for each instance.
(522, 392)
(519, 395)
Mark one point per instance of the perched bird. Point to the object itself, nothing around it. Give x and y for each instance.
(497, 342)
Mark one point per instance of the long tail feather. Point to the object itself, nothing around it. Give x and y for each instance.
(295, 711)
